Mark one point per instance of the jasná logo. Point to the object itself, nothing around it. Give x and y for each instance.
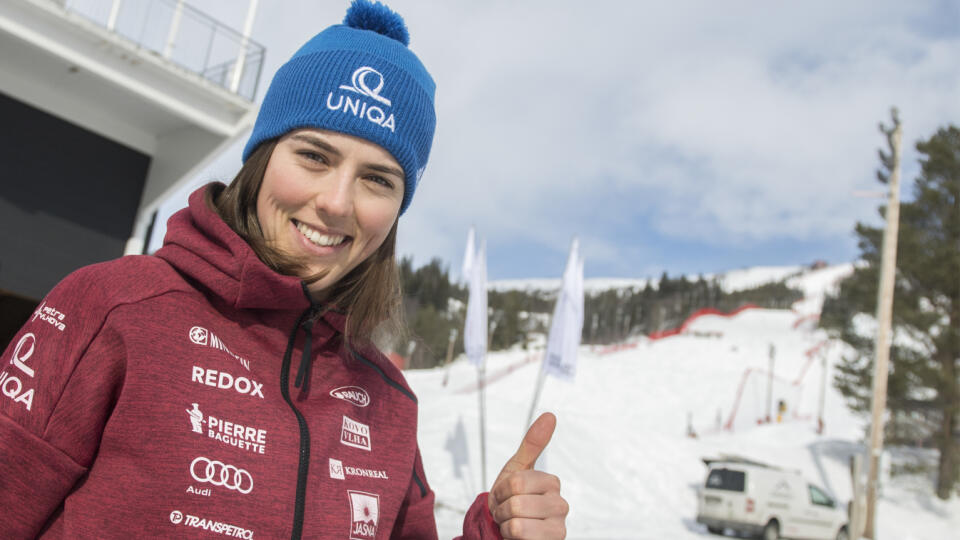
(229, 433)
(365, 511)
(219, 527)
(204, 337)
(10, 384)
(355, 434)
(360, 84)
(352, 394)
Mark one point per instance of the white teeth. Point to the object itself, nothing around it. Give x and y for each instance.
(320, 239)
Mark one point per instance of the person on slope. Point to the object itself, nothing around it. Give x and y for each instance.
(227, 385)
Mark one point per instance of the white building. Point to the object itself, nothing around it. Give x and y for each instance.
(106, 107)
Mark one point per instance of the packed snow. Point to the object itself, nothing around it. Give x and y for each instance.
(621, 449)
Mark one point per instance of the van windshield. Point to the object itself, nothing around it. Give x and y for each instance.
(727, 479)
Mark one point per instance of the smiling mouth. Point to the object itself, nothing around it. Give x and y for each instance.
(318, 238)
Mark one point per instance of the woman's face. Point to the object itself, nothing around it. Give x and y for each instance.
(330, 199)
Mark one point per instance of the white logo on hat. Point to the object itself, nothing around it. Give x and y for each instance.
(359, 107)
(360, 86)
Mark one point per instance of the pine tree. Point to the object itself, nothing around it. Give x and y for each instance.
(923, 385)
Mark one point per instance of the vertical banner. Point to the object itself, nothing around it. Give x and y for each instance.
(468, 256)
(475, 337)
(567, 324)
(475, 333)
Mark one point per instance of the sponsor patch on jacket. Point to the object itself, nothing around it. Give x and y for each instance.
(50, 315)
(177, 517)
(14, 382)
(340, 472)
(202, 336)
(365, 511)
(247, 438)
(225, 381)
(355, 434)
(220, 474)
(352, 394)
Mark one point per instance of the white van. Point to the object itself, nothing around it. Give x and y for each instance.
(765, 501)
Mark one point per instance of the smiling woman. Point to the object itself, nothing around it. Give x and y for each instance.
(170, 375)
(323, 205)
(324, 201)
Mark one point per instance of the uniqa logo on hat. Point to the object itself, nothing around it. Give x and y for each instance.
(360, 84)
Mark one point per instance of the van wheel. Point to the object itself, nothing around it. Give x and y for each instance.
(843, 534)
(719, 530)
(771, 531)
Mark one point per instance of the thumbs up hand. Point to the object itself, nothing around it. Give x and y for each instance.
(526, 503)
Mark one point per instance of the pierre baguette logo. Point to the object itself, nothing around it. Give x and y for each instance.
(368, 83)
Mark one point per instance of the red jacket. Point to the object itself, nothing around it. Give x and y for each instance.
(158, 396)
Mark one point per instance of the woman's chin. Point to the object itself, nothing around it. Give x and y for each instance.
(319, 289)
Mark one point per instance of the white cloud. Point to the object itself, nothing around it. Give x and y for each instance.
(746, 121)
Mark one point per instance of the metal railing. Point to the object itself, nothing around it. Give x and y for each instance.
(181, 34)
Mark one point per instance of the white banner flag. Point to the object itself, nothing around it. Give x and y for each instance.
(475, 333)
(468, 256)
(567, 324)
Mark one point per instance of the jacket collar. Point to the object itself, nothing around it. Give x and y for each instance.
(202, 247)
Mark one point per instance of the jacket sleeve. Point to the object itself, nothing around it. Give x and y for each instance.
(417, 521)
(59, 378)
(478, 523)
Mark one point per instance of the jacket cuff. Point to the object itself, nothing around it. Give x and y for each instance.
(34, 479)
(482, 520)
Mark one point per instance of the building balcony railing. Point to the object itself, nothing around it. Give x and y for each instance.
(180, 34)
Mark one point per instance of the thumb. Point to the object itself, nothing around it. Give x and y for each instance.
(532, 445)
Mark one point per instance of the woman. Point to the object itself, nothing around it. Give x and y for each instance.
(151, 396)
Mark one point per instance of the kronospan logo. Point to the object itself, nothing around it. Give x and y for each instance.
(352, 394)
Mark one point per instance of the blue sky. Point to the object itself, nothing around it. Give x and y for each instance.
(694, 137)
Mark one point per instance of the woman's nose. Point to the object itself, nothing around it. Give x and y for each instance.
(336, 197)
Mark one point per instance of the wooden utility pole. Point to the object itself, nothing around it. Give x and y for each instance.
(823, 389)
(450, 343)
(773, 353)
(888, 270)
(855, 517)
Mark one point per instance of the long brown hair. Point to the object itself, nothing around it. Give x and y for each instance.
(369, 294)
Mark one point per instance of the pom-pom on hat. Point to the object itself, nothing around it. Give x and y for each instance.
(357, 78)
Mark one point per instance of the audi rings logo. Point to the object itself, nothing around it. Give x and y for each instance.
(360, 85)
(221, 474)
(176, 517)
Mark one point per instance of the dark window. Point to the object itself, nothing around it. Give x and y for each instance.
(819, 497)
(727, 479)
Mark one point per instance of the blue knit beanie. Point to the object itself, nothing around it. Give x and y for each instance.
(357, 78)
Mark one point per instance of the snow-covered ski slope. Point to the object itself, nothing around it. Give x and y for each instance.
(627, 466)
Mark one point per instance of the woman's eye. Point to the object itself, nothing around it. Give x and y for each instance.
(382, 181)
(312, 156)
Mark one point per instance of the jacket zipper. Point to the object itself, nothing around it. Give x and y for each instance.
(304, 464)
